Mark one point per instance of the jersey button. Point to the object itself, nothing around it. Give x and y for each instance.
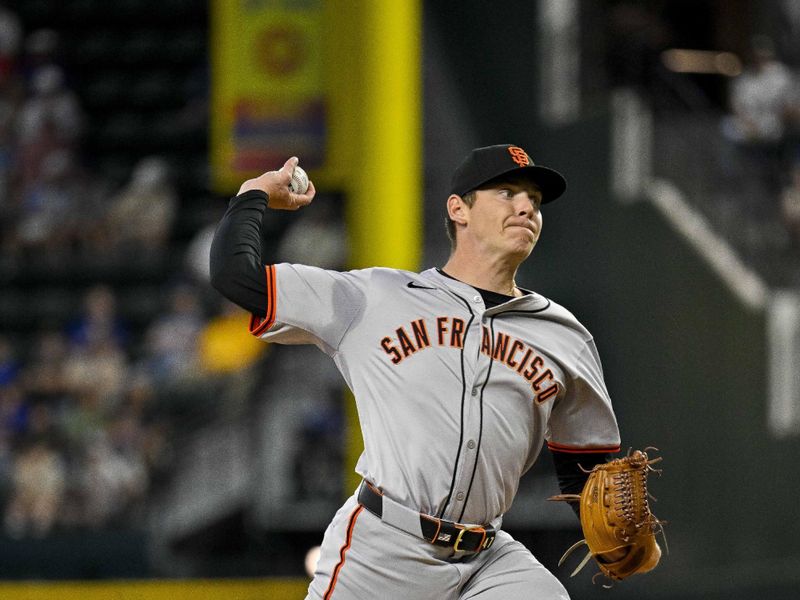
(460, 496)
(471, 444)
(476, 299)
(474, 391)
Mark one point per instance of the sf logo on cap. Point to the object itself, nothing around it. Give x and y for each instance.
(519, 156)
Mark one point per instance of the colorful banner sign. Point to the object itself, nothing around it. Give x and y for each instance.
(268, 97)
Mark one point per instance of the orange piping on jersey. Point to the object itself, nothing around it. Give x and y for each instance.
(373, 488)
(581, 449)
(345, 547)
(257, 324)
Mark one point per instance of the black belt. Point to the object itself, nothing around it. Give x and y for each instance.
(463, 538)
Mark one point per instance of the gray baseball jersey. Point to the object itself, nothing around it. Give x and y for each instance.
(455, 400)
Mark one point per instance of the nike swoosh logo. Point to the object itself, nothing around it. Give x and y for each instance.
(416, 286)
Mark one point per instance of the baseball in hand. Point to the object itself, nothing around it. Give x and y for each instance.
(299, 182)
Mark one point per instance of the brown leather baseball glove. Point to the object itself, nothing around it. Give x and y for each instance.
(617, 524)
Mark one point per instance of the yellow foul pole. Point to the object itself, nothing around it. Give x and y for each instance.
(384, 212)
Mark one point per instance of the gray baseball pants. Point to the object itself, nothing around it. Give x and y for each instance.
(363, 558)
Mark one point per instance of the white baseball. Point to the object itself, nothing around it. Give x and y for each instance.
(299, 182)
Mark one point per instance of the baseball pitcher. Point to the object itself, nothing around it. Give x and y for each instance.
(460, 376)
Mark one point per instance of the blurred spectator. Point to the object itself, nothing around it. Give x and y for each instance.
(142, 213)
(38, 478)
(82, 420)
(171, 340)
(126, 433)
(112, 482)
(44, 372)
(97, 370)
(51, 105)
(151, 440)
(760, 101)
(140, 394)
(49, 206)
(41, 424)
(34, 152)
(759, 97)
(99, 320)
(97, 365)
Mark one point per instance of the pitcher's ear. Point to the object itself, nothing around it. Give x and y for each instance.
(457, 209)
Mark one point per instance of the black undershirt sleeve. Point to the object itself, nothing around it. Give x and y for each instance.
(571, 477)
(237, 271)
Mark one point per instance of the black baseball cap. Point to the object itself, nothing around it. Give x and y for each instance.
(492, 162)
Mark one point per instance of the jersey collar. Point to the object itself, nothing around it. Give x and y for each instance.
(531, 302)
